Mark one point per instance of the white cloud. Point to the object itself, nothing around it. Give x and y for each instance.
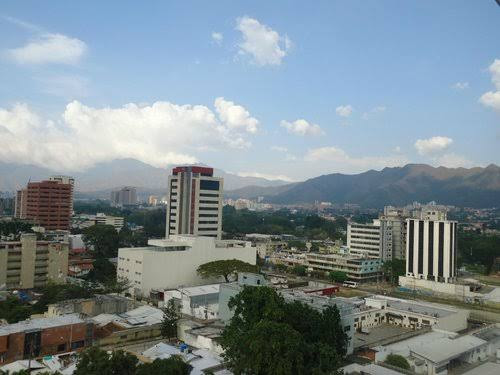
(217, 37)
(159, 134)
(235, 116)
(452, 160)
(344, 110)
(272, 177)
(492, 98)
(432, 145)
(373, 111)
(461, 85)
(263, 44)
(279, 148)
(301, 127)
(336, 157)
(50, 48)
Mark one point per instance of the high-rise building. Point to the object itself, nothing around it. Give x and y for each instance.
(65, 180)
(431, 247)
(194, 202)
(29, 263)
(47, 204)
(126, 196)
(364, 239)
(20, 204)
(393, 233)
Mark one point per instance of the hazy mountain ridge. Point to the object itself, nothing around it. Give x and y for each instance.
(474, 187)
(104, 177)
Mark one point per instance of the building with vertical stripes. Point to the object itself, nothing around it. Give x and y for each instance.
(194, 202)
(431, 248)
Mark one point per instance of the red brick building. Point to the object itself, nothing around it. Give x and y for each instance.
(44, 336)
(49, 204)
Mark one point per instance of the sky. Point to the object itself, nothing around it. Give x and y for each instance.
(283, 90)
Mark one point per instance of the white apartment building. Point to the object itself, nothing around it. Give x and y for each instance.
(116, 221)
(172, 263)
(194, 202)
(364, 239)
(431, 249)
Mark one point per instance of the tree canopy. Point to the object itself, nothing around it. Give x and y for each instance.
(103, 240)
(224, 268)
(95, 361)
(270, 336)
(338, 276)
(169, 323)
(397, 361)
(393, 269)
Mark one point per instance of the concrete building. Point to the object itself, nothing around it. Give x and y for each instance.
(100, 304)
(194, 202)
(37, 337)
(172, 262)
(200, 302)
(126, 196)
(393, 233)
(357, 268)
(116, 221)
(29, 263)
(20, 204)
(431, 248)
(364, 239)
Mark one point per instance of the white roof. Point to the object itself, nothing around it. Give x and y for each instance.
(200, 290)
(371, 369)
(446, 349)
(40, 323)
(141, 316)
(23, 365)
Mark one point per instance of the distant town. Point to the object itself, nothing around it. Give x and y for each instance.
(416, 289)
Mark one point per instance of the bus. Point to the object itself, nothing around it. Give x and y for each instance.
(350, 284)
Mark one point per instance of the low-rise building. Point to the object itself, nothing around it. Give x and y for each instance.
(99, 304)
(171, 262)
(357, 268)
(37, 337)
(30, 263)
(200, 302)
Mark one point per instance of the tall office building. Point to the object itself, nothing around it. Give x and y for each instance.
(194, 202)
(364, 239)
(431, 247)
(393, 233)
(65, 180)
(126, 196)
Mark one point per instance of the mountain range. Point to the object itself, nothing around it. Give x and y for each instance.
(474, 187)
(100, 179)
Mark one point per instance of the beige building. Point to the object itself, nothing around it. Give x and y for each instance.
(364, 239)
(29, 263)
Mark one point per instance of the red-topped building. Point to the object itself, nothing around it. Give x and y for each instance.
(48, 203)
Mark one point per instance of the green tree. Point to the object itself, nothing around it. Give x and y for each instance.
(13, 310)
(299, 270)
(95, 361)
(267, 335)
(479, 249)
(394, 268)
(103, 240)
(103, 271)
(338, 276)
(224, 268)
(397, 361)
(170, 318)
(173, 365)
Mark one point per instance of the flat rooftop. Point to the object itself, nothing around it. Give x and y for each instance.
(418, 307)
(379, 334)
(40, 323)
(446, 349)
(200, 290)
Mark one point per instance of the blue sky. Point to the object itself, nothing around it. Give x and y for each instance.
(279, 89)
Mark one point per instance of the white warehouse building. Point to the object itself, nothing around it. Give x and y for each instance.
(172, 263)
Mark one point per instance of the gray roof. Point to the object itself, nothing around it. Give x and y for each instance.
(40, 323)
(446, 349)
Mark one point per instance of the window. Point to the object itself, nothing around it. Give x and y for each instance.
(209, 185)
(61, 347)
(347, 328)
(77, 344)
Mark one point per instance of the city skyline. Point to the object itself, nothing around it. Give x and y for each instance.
(287, 92)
